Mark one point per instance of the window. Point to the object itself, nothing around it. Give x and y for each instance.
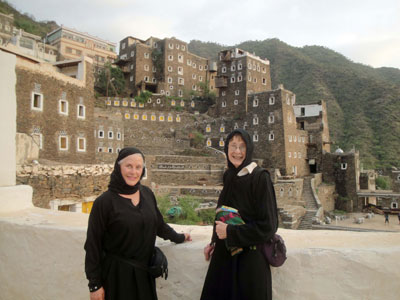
(289, 154)
(287, 99)
(146, 78)
(189, 62)
(144, 117)
(169, 79)
(110, 150)
(127, 116)
(221, 142)
(236, 126)
(123, 46)
(118, 135)
(81, 144)
(171, 87)
(223, 103)
(240, 78)
(264, 81)
(178, 118)
(255, 80)
(146, 67)
(223, 70)
(209, 144)
(222, 128)
(271, 136)
(182, 102)
(100, 134)
(100, 149)
(237, 92)
(181, 81)
(125, 103)
(255, 120)
(158, 100)
(233, 79)
(343, 166)
(133, 103)
(161, 118)
(281, 192)
(170, 57)
(180, 58)
(146, 55)
(255, 102)
(295, 154)
(194, 65)
(63, 107)
(200, 78)
(192, 104)
(194, 87)
(170, 119)
(63, 143)
(132, 54)
(171, 46)
(290, 138)
(183, 48)
(180, 70)
(111, 135)
(223, 93)
(173, 103)
(169, 69)
(37, 101)
(116, 102)
(239, 67)
(235, 102)
(233, 68)
(255, 137)
(271, 118)
(153, 117)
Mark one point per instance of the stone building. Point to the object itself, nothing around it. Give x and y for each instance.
(72, 44)
(343, 169)
(164, 66)
(55, 109)
(6, 28)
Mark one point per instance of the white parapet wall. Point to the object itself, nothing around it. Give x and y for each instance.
(42, 257)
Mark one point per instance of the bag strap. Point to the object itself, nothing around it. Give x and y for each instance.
(132, 262)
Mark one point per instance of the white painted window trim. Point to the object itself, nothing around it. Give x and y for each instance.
(33, 101)
(59, 142)
(84, 144)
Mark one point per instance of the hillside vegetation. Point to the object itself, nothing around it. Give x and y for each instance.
(363, 102)
(26, 21)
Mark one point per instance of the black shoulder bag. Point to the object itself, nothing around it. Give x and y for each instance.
(158, 264)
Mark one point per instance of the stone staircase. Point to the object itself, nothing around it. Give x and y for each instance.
(311, 205)
(198, 176)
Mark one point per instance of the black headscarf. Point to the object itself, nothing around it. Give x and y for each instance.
(249, 149)
(117, 183)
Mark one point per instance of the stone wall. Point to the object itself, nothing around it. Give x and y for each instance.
(27, 148)
(326, 195)
(64, 181)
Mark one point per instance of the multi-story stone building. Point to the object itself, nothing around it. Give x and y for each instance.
(72, 44)
(164, 67)
(55, 109)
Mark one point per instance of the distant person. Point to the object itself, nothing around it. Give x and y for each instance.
(124, 223)
(386, 213)
(237, 270)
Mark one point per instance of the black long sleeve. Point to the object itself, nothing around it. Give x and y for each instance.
(257, 206)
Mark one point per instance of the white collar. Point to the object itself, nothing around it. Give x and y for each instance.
(247, 169)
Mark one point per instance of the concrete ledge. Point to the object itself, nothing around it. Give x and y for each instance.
(42, 257)
(15, 197)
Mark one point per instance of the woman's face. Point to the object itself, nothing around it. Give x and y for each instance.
(236, 150)
(132, 168)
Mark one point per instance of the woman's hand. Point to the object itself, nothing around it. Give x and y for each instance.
(188, 238)
(220, 229)
(208, 251)
(97, 295)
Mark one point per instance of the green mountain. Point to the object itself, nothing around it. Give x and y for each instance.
(27, 22)
(363, 102)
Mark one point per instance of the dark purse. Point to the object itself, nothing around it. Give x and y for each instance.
(274, 251)
(158, 263)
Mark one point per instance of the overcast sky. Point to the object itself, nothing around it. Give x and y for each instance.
(365, 31)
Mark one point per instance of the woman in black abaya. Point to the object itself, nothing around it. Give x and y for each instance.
(248, 188)
(124, 223)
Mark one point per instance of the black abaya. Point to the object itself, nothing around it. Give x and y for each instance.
(118, 227)
(245, 276)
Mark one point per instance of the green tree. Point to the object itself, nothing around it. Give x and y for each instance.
(111, 81)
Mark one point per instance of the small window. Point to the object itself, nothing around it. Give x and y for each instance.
(37, 101)
(237, 92)
(111, 135)
(63, 143)
(100, 149)
(233, 79)
(271, 136)
(127, 116)
(118, 135)
(255, 137)
(264, 81)
(63, 107)
(235, 102)
(110, 150)
(281, 192)
(222, 129)
(161, 118)
(223, 93)
(132, 53)
(255, 102)
(208, 128)
(223, 103)
(81, 144)
(233, 68)
(221, 142)
(178, 118)
(289, 154)
(343, 166)
(136, 116)
(271, 118)
(144, 117)
(223, 70)
(255, 120)
(146, 55)
(170, 119)
(101, 134)
(170, 57)
(81, 111)
(209, 144)
(153, 118)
